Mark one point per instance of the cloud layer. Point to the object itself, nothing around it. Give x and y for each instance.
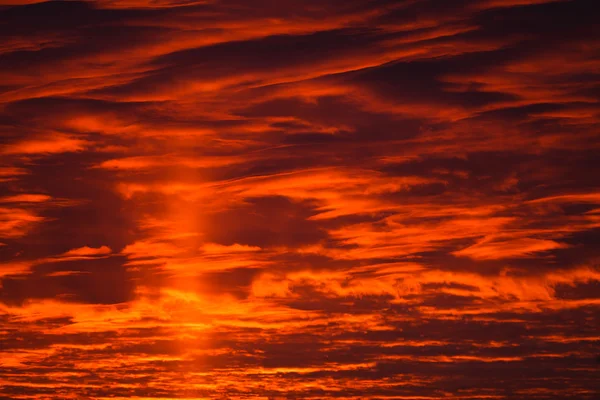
(299, 199)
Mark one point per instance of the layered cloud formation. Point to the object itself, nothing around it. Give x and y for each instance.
(299, 199)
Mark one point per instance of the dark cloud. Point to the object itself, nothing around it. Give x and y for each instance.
(79, 281)
(264, 222)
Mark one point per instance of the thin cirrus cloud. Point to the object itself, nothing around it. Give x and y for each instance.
(305, 199)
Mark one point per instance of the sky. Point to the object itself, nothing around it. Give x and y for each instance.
(299, 199)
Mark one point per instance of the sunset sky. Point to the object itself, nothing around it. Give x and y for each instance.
(299, 199)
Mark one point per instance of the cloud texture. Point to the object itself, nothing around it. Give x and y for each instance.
(300, 199)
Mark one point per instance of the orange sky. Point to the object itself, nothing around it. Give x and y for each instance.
(339, 199)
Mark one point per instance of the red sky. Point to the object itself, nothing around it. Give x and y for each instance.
(316, 199)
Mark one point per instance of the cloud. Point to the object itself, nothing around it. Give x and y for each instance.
(497, 249)
(88, 251)
(57, 143)
(25, 198)
(14, 222)
(339, 199)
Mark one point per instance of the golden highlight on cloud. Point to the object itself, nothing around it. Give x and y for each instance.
(299, 200)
